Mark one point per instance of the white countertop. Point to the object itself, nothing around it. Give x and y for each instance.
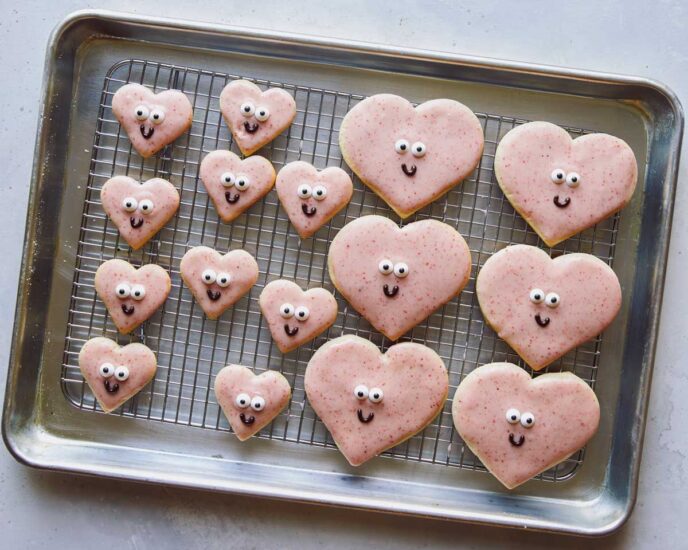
(39, 509)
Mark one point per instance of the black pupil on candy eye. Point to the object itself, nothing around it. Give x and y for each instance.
(385, 267)
(537, 296)
(574, 179)
(376, 396)
(402, 147)
(401, 270)
(247, 108)
(301, 313)
(318, 192)
(529, 420)
(419, 149)
(360, 394)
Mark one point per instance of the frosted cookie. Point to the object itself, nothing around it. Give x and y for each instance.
(295, 317)
(139, 210)
(114, 373)
(410, 156)
(396, 277)
(131, 295)
(560, 185)
(545, 307)
(218, 281)
(519, 427)
(370, 401)
(248, 401)
(151, 120)
(255, 117)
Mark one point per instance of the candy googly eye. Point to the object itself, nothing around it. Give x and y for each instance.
(121, 373)
(257, 403)
(287, 311)
(375, 395)
(319, 192)
(146, 206)
(537, 296)
(558, 175)
(304, 191)
(361, 392)
(527, 420)
(130, 204)
(418, 149)
(138, 292)
(242, 400)
(227, 179)
(123, 290)
(513, 416)
(552, 299)
(209, 276)
(572, 179)
(401, 269)
(141, 112)
(302, 313)
(106, 370)
(242, 182)
(385, 267)
(157, 116)
(247, 109)
(401, 146)
(223, 279)
(262, 114)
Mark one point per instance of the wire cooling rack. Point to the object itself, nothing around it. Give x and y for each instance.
(191, 349)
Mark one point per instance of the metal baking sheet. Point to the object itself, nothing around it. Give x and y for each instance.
(173, 431)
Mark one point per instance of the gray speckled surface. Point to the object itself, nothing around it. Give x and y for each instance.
(39, 509)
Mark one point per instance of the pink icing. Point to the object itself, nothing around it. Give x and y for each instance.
(413, 380)
(336, 182)
(566, 415)
(526, 158)
(589, 292)
(439, 265)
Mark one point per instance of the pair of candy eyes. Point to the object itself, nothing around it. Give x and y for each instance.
(241, 182)
(124, 290)
(374, 395)
(107, 370)
(288, 311)
(156, 116)
(527, 419)
(243, 400)
(572, 179)
(130, 204)
(319, 192)
(400, 269)
(249, 109)
(418, 149)
(537, 296)
(222, 279)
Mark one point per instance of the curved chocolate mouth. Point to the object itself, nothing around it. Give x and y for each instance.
(290, 331)
(128, 310)
(231, 199)
(251, 128)
(408, 171)
(562, 204)
(390, 293)
(213, 294)
(364, 419)
(248, 420)
(136, 222)
(540, 321)
(308, 211)
(512, 440)
(111, 388)
(147, 133)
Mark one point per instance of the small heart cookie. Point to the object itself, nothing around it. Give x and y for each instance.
(114, 373)
(370, 401)
(312, 198)
(255, 117)
(560, 185)
(395, 277)
(410, 156)
(151, 120)
(248, 401)
(519, 427)
(217, 281)
(139, 210)
(294, 316)
(131, 295)
(235, 184)
(544, 307)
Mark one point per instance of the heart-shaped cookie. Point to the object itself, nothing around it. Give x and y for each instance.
(255, 117)
(295, 316)
(151, 120)
(114, 373)
(395, 277)
(372, 401)
(217, 281)
(545, 307)
(235, 184)
(410, 156)
(250, 402)
(519, 427)
(312, 198)
(131, 295)
(560, 185)
(139, 210)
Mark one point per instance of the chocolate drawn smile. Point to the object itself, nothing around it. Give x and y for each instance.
(251, 128)
(308, 211)
(136, 222)
(512, 440)
(128, 310)
(290, 331)
(248, 420)
(562, 204)
(111, 388)
(390, 293)
(231, 199)
(365, 419)
(213, 294)
(540, 321)
(408, 171)
(147, 133)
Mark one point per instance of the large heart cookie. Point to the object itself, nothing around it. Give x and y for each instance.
(560, 185)
(250, 402)
(115, 373)
(518, 426)
(396, 277)
(545, 307)
(217, 281)
(312, 198)
(131, 295)
(410, 156)
(151, 120)
(139, 210)
(372, 401)
(255, 117)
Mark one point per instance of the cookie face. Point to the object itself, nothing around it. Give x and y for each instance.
(560, 185)
(396, 277)
(235, 184)
(248, 401)
(139, 210)
(218, 281)
(114, 373)
(545, 307)
(312, 198)
(370, 401)
(255, 117)
(519, 427)
(410, 156)
(294, 316)
(151, 120)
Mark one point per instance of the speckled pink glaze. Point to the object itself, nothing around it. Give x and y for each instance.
(238, 264)
(450, 131)
(261, 177)
(165, 200)
(589, 292)
(439, 265)
(279, 102)
(565, 409)
(413, 380)
(138, 358)
(174, 104)
(321, 305)
(271, 386)
(339, 189)
(526, 158)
